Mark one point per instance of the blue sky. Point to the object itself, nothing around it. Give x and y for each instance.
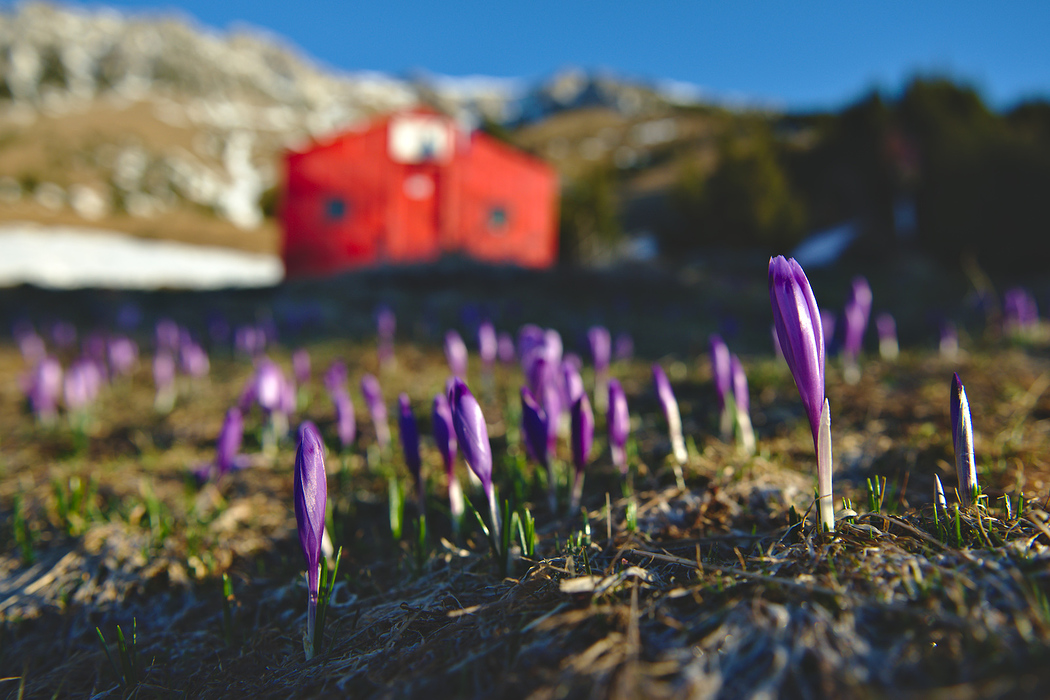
(796, 54)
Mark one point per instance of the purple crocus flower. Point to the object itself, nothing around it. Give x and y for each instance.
(505, 348)
(445, 438)
(797, 320)
(64, 334)
(619, 425)
(572, 381)
(167, 335)
(409, 434)
(723, 378)
(1020, 313)
(194, 360)
(311, 496)
(456, 354)
(582, 441)
(345, 420)
(269, 386)
(81, 385)
(228, 445)
(488, 345)
(164, 380)
(856, 314)
(535, 427)
(742, 401)
(386, 327)
(31, 345)
(601, 353)
(473, 437)
(669, 405)
(45, 385)
(123, 355)
(335, 378)
(887, 330)
(301, 366)
(623, 348)
(962, 441)
(373, 395)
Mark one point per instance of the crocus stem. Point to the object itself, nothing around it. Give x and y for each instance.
(577, 491)
(490, 493)
(725, 423)
(826, 506)
(455, 502)
(311, 622)
(747, 432)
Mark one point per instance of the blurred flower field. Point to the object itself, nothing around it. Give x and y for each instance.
(122, 506)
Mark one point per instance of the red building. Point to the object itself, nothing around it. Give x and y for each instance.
(409, 187)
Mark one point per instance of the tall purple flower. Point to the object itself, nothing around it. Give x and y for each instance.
(445, 439)
(669, 405)
(572, 381)
(797, 320)
(45, 386)
(722, 374)
(123, 355)
(887, 330)
(311, 496)
(1020, 313)
(582, 441)
(473, 437)
(505, 348)
(194, 359)
(536, 431)
(167, 335)
(386, 326)
(601, 353)
(488, 345)
(31, 345)
(377, 407)
(228, 444)
(827, 325)
(409, 433)
(623, 348)
(456, 354)
(962, 441)
(345, 420)
(857, 312)
(619, 421)
(742, 401)
(81, 385)
(301, 366)
(164, 379)
(335, 378)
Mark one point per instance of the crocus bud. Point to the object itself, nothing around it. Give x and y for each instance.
(827, 325)
(45, 386)
(743, 404)
(572, 381)
(582, 440)
(228, 445)
(31, 346)
(194, 360)
(472, 436)
(335, 378)
(409, 434)
(167, 334)
(377, 407)
(623, 348)
(456, 354)
(534, 427)
(487, 343)
(505, 348)
(345, 420)
(669, 405)
(939, 501)
(601, 347)
(722, 374)
(445, 438)
(386, 326)
(887, 330)
(81, 384)
(962, 440)
(858, 309)
(311, 495)
(123, 355)
(619, 425)
(301, 366)
(164, 379)
(797, 320)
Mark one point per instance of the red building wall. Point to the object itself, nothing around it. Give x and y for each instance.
(349, 203)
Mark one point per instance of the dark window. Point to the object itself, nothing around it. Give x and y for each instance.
(497, 219)
(334, 209)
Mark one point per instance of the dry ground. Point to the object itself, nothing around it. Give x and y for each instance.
(717, 591)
